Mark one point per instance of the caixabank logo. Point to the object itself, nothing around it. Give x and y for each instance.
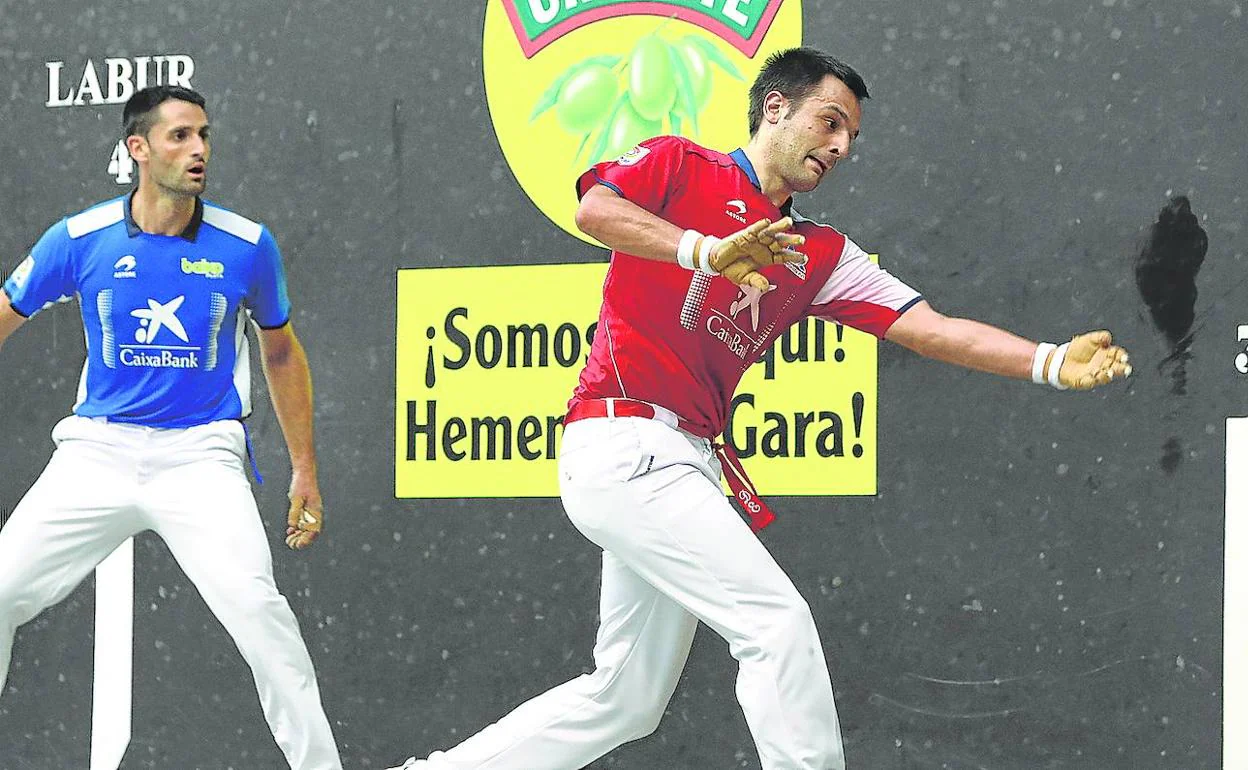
(572, 83)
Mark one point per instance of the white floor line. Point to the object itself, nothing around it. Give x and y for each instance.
(114, 658)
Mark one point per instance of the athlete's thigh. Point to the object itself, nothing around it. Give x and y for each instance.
(206, 513)
(77, 512)
(641, 627)
(676, 529)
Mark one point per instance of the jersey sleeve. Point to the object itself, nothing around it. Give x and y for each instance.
(862, 295)
(644, 175)
(46, 276)
(267, 298)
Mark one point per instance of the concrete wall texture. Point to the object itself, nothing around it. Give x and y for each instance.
(1037, 583)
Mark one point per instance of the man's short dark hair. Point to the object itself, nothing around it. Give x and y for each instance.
(139, 115)
(796, 73)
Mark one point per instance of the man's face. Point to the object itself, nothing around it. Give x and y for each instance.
(176, 149)
(813, 135)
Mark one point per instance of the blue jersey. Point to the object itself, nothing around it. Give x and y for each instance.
(165, 316)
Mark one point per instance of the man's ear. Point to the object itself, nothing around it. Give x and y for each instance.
(775, 105)
(138, 147)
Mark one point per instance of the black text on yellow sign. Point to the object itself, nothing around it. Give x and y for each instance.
(487, 357)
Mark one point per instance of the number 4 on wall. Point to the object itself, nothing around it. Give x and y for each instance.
(120, 164)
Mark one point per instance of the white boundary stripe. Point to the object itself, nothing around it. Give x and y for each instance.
(114, 658)
(1235, 598)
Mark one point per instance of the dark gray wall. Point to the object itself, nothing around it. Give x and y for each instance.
(1014, 158)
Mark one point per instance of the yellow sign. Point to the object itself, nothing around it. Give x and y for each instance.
(487, 358)
(571, 83)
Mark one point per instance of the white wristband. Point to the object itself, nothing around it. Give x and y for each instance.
(1037, 361)
(703, 262)
(684, 251)
(1055, 368)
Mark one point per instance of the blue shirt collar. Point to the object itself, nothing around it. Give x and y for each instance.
(743, 162)
(189, 233)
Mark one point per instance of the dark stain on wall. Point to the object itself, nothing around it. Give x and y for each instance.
(1165, 274)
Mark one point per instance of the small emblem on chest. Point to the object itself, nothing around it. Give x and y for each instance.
(125, 267)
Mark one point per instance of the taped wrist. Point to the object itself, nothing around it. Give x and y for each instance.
(694, 252)
(1038, 361)
(1046, 364)
(1055, 367)
(702, 257)
(686, 248)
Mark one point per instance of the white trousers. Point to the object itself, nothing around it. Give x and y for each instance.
(674, 552)
(109, 481)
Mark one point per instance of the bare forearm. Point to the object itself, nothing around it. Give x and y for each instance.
(290, 388)
(976, 345)
(625, 226)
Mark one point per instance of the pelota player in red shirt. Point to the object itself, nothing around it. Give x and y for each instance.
(683, 315)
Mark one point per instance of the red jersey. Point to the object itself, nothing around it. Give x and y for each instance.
(641, 349)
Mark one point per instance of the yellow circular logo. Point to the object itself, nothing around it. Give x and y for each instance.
(573, 83)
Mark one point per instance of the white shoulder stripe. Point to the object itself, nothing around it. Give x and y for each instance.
(96, 218)
(234, 224)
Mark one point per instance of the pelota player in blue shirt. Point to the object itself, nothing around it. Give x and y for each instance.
(166, 284)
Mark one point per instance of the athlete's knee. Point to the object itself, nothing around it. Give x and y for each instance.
(786, 625)
(256, 599)
(641, 719)
(15, 611)
(826, 754)
(253, 613)
(636, 701)
(16, 603)
(797, 619)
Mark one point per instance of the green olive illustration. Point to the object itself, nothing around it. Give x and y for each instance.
(651, 85)
(627, 129)
(585, 98)
(699, 72)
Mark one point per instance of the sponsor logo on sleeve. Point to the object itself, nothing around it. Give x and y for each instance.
(22, 273)
(633, 156)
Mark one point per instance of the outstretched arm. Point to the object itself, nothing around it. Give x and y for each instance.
(290, 387)
(10, 319)
(1090, 360)
(964, 342)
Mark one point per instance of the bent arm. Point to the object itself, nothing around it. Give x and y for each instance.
(10, 319)
(624, 226)
(961, 341)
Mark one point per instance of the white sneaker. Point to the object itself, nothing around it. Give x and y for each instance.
(412, 763)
